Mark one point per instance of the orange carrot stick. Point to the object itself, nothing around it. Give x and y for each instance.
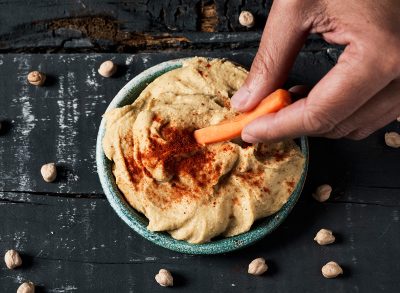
(232, 128)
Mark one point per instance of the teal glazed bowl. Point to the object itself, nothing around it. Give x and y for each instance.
(138, 221)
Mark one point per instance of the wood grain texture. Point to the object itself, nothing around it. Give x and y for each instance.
(131, 26)
(72, 241)
(123, 25)
(66, 248)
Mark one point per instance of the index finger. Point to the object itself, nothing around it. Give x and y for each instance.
(282, 39)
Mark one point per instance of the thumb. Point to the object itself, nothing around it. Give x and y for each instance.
(282, 39)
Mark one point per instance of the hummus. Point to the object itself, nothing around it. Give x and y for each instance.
(191, 191)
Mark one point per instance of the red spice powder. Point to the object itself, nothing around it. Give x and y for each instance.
(227, 148)
(290, 183)
(227, 104)
(178, 142)
(202, 73)
(181, 155)
(252, 177)
(278, 156)
(135, 171)
(266, 190)
(197, 167)
(157, 118)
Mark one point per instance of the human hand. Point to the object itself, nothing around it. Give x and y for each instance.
(359, 95)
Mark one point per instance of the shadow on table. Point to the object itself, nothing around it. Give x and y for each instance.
(6, 126)
(51, 80)
(179, 280)
(64, 171)
(40, 289)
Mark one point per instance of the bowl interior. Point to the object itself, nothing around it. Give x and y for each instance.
(138, 221)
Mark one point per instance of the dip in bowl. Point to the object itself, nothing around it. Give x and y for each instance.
(149, 164)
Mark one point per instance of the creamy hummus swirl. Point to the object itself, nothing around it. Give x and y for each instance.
(191, 191)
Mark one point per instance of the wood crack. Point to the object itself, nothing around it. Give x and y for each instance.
(209, 17)
(58, 194)
(10, 201)
(101, 28)
(103, 263)
(378, 187)
(363, 203)
(102, 196)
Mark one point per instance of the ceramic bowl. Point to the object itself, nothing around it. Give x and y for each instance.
(138, 221)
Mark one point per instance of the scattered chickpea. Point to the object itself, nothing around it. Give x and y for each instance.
(331, 270)
(257, 267)
(12, 259)
(107, 68)
(27, 287)
(322, 193)
(324, 237)
(392, 139)
(164, 278)
(36, 78)
(246, 19)
(49, 172)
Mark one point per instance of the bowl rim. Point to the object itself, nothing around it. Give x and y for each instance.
(136, 221)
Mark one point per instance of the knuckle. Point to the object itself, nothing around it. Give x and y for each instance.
(317, 122)
(391, 66)
(262, 64)
(359, 134)
(338, 131)
(373, 56)
(364, 53)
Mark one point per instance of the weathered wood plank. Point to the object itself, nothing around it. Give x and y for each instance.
(66, 248)
(132, 15)
(122, 25)
(59, 122)
(130, 26)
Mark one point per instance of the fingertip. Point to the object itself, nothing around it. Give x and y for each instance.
(258, 130)
(299, 91)
(245, 99)
(239, 99)
(249, 138)
(274, 127)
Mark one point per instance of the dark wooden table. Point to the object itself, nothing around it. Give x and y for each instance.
(70, 238)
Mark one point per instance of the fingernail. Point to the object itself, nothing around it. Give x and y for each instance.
(249, 138)
(239, 99)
